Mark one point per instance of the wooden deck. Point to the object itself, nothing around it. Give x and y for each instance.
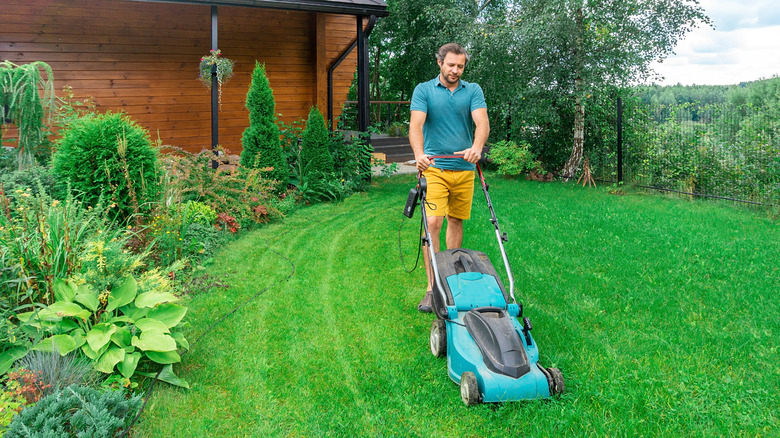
(396, 149)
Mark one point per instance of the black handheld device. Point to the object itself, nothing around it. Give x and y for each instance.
(411, 202)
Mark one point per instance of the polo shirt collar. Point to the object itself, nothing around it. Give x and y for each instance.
(437, 80)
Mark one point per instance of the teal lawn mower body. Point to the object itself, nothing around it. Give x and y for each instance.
(480, 326)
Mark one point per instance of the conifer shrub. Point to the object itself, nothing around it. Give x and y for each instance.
(76, 411)
(315, 156)
(261, 141)
(110, 157)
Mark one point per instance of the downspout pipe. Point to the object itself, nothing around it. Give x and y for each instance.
(365, 34)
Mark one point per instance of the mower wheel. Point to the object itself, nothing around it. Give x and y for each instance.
(469, 390)
(557, 386)
(439, 338)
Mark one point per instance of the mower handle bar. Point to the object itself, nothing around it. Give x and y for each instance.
(493, 219)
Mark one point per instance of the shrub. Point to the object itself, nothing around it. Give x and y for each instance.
(110, 155)
(199, 213)
(21, 388)
(260, 141)
(315, 157)
(231, 192)
(511, 158)
(76, 411)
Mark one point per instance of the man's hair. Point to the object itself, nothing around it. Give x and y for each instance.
(452, 48)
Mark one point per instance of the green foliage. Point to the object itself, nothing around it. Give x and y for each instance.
(237, 192)
(21, 104)
(199, 213)
(512, 159)
(182, 232)
(315, 156)
(7, 160)
(33, 178)
(109, 156)
(117, 328)
(77, 411)
(41, 239)
(11, 403)
(260, 141)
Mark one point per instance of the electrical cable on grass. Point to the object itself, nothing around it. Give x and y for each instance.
(401, 253)
(432, 207)
(211, 327)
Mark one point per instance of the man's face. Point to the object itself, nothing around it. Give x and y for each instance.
(451, 68)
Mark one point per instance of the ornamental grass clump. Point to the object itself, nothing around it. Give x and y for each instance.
(109, 156)
(261, 142)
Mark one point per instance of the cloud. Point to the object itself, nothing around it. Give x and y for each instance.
(744, 46)
(728, 15)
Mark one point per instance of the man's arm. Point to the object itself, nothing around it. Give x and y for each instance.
(416, 122)
(473, 154)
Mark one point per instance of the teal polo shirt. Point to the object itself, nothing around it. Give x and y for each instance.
(448, 124)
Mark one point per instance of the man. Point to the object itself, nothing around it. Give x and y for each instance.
(444, 113)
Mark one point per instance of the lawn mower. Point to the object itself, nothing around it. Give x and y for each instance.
(481, 329)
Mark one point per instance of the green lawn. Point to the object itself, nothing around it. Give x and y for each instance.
(663, 315)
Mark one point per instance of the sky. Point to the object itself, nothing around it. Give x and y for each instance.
(743, 46)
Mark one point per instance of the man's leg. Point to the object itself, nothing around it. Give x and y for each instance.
(454, 237)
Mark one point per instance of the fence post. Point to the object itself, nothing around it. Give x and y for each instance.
(620, 140)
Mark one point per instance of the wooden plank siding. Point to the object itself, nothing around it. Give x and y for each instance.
(142, 58)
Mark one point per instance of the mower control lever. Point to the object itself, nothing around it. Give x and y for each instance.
(527, 327)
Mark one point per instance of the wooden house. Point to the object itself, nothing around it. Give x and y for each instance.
(142, 57)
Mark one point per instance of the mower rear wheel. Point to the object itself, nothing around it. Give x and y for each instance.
(469, 390)
(439, 338)
(557, 386)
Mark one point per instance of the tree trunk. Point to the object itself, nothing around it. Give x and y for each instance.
(570, 168)
(573, 163)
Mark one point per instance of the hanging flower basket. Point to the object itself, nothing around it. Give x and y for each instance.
(224, 70)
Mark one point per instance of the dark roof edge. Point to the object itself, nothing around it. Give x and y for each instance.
(293, 5)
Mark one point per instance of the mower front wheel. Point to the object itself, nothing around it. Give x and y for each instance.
(439, 338)
(469, 390)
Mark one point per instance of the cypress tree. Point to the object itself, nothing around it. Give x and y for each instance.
(315, 156)
(261, 142)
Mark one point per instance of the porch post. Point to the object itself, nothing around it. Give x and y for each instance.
(214, 88)
(362, 84)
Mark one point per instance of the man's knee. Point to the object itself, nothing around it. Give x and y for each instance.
(435, 222)
(455, 222)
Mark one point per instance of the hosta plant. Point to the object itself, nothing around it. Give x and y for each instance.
(118, 329)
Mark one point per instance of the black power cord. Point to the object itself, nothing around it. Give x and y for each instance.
(212, 326)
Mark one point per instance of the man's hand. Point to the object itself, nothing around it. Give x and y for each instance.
(423, 162)
(472, 154)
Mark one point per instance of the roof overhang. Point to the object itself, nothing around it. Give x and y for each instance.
(348, 7)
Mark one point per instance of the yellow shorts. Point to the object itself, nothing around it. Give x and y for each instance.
(449, 192)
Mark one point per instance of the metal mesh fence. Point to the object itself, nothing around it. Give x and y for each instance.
(722, 151)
